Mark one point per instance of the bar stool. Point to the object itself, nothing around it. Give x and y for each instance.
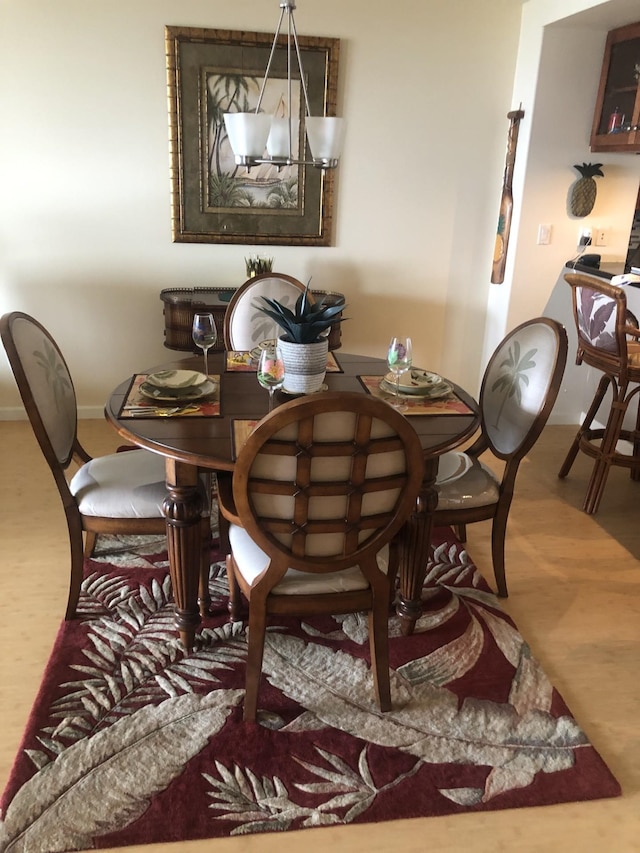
(608, 340)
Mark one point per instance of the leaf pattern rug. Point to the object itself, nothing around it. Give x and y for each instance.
(132, 740)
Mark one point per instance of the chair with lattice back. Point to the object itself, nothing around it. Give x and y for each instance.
(119, 493)
(320, 489)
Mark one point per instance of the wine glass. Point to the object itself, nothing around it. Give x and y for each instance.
(399, 360)
(271, 370)
(204, 335)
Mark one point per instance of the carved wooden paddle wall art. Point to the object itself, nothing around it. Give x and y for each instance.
(506, 202)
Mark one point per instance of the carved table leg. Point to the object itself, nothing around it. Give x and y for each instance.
(183, 509)
(415, 542)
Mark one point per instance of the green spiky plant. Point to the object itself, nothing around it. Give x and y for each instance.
(583, 193)
(306, 323)
(257, 265)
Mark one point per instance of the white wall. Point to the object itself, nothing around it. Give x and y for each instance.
(85, 242)
(557, 76)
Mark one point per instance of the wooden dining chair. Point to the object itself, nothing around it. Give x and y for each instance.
(244, 325)
(320, 488)
(518, 391)
(119, 493)
(608, 341)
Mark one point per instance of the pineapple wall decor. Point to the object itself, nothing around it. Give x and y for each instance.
(583, 193)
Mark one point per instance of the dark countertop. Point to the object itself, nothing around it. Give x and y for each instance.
(606, 270)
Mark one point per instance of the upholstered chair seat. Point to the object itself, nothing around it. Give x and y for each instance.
(121, 485)
(251, 561)
(465, 482)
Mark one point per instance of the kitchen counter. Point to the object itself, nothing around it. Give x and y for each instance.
(606, 270)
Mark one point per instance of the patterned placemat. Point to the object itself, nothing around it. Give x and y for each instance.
(136, 405)
(240, 432)
(449, 405)
(240, 361)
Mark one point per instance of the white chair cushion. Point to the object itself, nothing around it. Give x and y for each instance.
(465, 482)
(252, 560)
(128, 484)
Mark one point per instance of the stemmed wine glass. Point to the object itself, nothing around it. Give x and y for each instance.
(399, 360)
(204, 335)
(271, 370)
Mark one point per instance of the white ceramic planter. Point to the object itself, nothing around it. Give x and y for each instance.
(305, 366)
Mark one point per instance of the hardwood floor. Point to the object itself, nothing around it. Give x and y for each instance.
(574, 585)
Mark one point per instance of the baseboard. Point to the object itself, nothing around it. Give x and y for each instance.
(13, 413)
(17, 413)
(561, 419)
(90, 413)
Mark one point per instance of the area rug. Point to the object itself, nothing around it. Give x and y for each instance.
(132, 740)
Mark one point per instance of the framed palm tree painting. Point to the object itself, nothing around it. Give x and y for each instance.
(212, 72)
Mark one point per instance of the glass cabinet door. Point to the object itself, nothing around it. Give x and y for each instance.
(616, 123)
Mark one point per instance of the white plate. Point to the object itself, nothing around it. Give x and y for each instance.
(433, 393)
(173, 395)
(255, 352)
(176, 379)
(416, 380)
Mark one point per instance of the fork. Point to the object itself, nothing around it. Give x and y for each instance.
(161, 410)
(178, 410)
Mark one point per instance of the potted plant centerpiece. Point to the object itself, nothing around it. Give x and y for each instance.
(304, 341)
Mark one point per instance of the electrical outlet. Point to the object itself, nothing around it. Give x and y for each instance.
(584, 237)
(601, 237)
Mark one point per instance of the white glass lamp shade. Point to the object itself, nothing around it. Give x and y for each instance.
(278, 139)
(248, 133)
(326, 136)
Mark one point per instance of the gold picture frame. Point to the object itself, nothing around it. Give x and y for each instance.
(214, 201)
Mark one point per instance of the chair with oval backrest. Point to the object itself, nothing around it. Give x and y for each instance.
(608, 340)
(320, 488)
(119, 493)
(519, 389)
(244, 325)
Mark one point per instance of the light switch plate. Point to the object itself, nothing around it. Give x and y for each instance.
(544, 235)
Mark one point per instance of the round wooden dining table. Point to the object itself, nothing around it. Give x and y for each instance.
(193, 443)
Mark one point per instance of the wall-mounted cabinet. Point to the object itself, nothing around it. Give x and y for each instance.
(616, 122)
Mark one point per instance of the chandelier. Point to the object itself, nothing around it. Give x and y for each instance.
(251, 134)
